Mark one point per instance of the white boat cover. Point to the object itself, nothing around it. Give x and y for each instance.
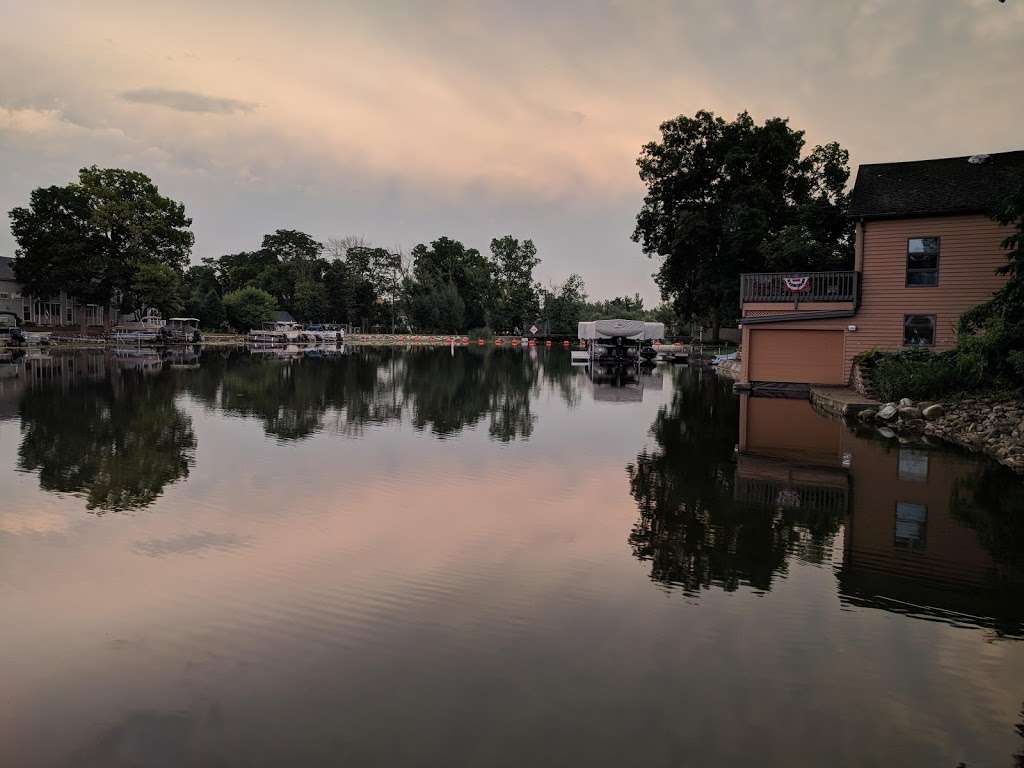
(629, 329)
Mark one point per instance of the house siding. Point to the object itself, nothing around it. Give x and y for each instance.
(970, 251)
(969, 254)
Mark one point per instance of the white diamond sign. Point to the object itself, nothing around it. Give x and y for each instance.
(534, 329)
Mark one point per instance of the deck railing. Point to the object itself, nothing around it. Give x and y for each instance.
(798, 287)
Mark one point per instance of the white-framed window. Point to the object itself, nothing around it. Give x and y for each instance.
(922, 261)
(4, 295)
(911, 525)
(93, 314)
(918, 330)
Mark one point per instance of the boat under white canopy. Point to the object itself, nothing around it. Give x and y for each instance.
(638, 330)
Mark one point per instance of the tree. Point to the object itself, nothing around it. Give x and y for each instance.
(448, 261)
(208, 308)
(87, 238)
(990, 343)
(730, 197)
(157, 286)
(516, 301)
(249, 308)
(291, 246)
(310, 303)
(564, 305)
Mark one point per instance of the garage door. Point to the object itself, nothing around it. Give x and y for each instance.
(801, 357)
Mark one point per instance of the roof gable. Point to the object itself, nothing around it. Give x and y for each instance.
(939, 187)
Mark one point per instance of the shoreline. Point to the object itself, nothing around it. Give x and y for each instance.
(989, 425)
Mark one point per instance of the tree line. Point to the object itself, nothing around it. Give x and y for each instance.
(722, 198)
(112, 237)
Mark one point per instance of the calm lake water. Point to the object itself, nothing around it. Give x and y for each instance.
(484, 558)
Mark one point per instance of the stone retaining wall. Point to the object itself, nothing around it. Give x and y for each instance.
(992, 426)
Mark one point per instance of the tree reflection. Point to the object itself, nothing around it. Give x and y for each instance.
(297, 396)
(110, 429)
(695, 527)
(992, 503)
(117, 441)
(449, 394)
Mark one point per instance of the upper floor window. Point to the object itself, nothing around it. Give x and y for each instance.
(918, 330)
(923, 261)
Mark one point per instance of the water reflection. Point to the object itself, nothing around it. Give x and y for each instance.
(927, 532)
(109, 433)
(704, 522)
(108, 425)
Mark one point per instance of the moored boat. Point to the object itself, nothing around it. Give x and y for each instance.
(181, 330)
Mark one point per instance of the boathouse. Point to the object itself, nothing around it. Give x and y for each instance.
(926, 251)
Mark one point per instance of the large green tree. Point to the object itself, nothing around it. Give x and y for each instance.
(516, 299)
(448, 262)
(730, 197)
(249, 307)
(89, 237)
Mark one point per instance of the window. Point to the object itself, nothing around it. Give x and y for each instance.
(918, 330)
(4, 295)
(923, 261)
(911, 525)
(913, 465)
(93, 314)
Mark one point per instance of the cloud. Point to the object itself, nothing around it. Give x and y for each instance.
(187, 101)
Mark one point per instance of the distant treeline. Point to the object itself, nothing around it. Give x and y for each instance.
(444, 286)
(111, 237)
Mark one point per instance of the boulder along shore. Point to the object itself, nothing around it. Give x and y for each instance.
(990, 425)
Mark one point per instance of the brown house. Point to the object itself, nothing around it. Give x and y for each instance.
(926, 251)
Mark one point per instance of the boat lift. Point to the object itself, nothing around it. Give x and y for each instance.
(617, 343)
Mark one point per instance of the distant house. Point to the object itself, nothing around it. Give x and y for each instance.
(926, 251)
(281, 316)
(47, 312)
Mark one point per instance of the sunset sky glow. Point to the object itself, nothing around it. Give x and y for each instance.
(402, 122)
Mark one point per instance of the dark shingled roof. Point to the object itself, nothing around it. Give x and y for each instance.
(949, 185)
(6, 268)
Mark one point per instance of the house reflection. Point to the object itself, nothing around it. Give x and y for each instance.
(921, 521)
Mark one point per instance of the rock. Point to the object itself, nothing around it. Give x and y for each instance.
(887, 412)
(933, 412)
(886, 433)
(906, 401)
(909, 412)
(868, 414)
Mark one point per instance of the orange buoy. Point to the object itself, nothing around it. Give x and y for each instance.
(547, 343)
(480, 342)
(465, 339)
(566, 344)
(497, 342)
(515, 342)
(533, 342)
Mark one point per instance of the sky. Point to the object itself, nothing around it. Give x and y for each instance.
(404, 121)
